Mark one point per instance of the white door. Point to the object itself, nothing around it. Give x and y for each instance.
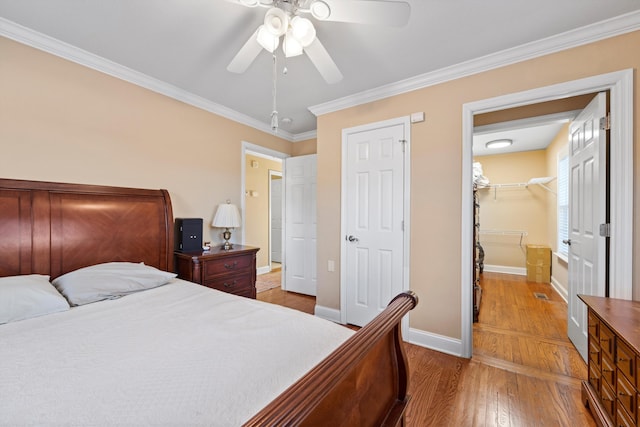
(587, 210)
(275, 212)
(373, 203)
(300, 272)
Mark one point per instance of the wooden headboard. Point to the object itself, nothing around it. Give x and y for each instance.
(53, 228)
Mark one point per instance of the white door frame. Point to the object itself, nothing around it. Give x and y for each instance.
(247, 146)
(406, 209)
(620, 85)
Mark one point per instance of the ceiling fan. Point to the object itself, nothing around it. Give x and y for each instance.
(284, 20)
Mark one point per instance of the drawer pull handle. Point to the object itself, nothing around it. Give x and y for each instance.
(607, 370)
(607, 399)
(622, 359)
(604, 339)
(622, 393)
(231, 266)
(594, 352)
(229, 285)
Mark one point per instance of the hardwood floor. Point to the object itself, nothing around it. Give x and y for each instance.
(524, 371)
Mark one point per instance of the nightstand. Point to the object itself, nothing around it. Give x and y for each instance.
(232, 271)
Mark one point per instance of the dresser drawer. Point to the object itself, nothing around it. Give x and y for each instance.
(226, 265)
(608, 399)
(607, 341)
(594, 325)
(626, 361)
(594, 376)
(608, 371)
(623, 419)
(234, 284)
(594, 351)
(626, 395)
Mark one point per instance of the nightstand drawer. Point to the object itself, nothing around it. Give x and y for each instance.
(232, 270)
(235, 284)
(226, 265)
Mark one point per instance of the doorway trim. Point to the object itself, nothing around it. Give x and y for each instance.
(406, 122)
(620, 85)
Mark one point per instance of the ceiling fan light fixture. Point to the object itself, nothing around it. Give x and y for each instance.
(291, 45)
(320, 10)
(250, 3)
(303, 30)
(276, 21)
(267, 40)
(499, 143)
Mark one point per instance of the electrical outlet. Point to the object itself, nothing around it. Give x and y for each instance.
(331, 266)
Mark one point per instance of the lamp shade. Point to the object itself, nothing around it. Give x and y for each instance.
(227, 216)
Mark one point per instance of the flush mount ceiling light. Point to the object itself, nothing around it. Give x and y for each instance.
(499, 143)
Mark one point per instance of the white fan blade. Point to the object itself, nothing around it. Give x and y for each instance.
(252, 3)
(323, 62)
(390, 13)
(247, 54)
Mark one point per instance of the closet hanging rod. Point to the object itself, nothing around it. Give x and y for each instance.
(520, 233)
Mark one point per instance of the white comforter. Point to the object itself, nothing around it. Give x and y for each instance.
(177, 355)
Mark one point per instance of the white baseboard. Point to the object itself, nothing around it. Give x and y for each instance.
(561, 290)
(327, 313)
(520, 271)
(434, 342)
(263, 270)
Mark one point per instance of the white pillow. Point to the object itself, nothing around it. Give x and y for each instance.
(23, 297)
(109, 281)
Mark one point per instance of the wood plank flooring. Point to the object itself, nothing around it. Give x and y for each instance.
(524, 371)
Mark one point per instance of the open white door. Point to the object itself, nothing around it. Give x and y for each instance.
(373, 217)
(587, 210)
(300, 273)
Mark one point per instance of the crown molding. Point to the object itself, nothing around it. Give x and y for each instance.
(591, 33)
(29, 37)
(305, 135)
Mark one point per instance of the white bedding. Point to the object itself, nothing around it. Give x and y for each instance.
(177, 355)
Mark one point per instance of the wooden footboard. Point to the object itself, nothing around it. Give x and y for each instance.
(362, 383)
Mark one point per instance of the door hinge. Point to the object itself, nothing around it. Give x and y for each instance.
(404, 143)
(402, 225)
(605, 122)
(605, 230)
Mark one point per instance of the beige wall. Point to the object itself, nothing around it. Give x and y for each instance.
(257, 226)
(302, 148)
(60, 121)
(436, 170)
(513, 209)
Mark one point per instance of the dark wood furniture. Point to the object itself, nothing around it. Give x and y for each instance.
(232, 271)
(612, 391)
(478, 260)
(53, 228)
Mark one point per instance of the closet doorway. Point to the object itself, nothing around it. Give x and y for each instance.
(522, 309)
(620, 85)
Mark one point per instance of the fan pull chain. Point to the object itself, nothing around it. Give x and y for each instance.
(274, 113)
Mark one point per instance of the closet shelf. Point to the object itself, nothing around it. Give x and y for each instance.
(521, 233)
(541, 181)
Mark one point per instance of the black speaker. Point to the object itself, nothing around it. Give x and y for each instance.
(188, 234)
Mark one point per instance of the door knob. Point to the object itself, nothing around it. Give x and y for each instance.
(352, 238)
(567, 242)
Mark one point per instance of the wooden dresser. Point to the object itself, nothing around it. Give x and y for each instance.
(232, 271)
(612, 391)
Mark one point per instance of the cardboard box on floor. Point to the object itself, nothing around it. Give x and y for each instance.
(538, 263)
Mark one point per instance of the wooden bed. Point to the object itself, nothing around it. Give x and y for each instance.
(54, 228)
